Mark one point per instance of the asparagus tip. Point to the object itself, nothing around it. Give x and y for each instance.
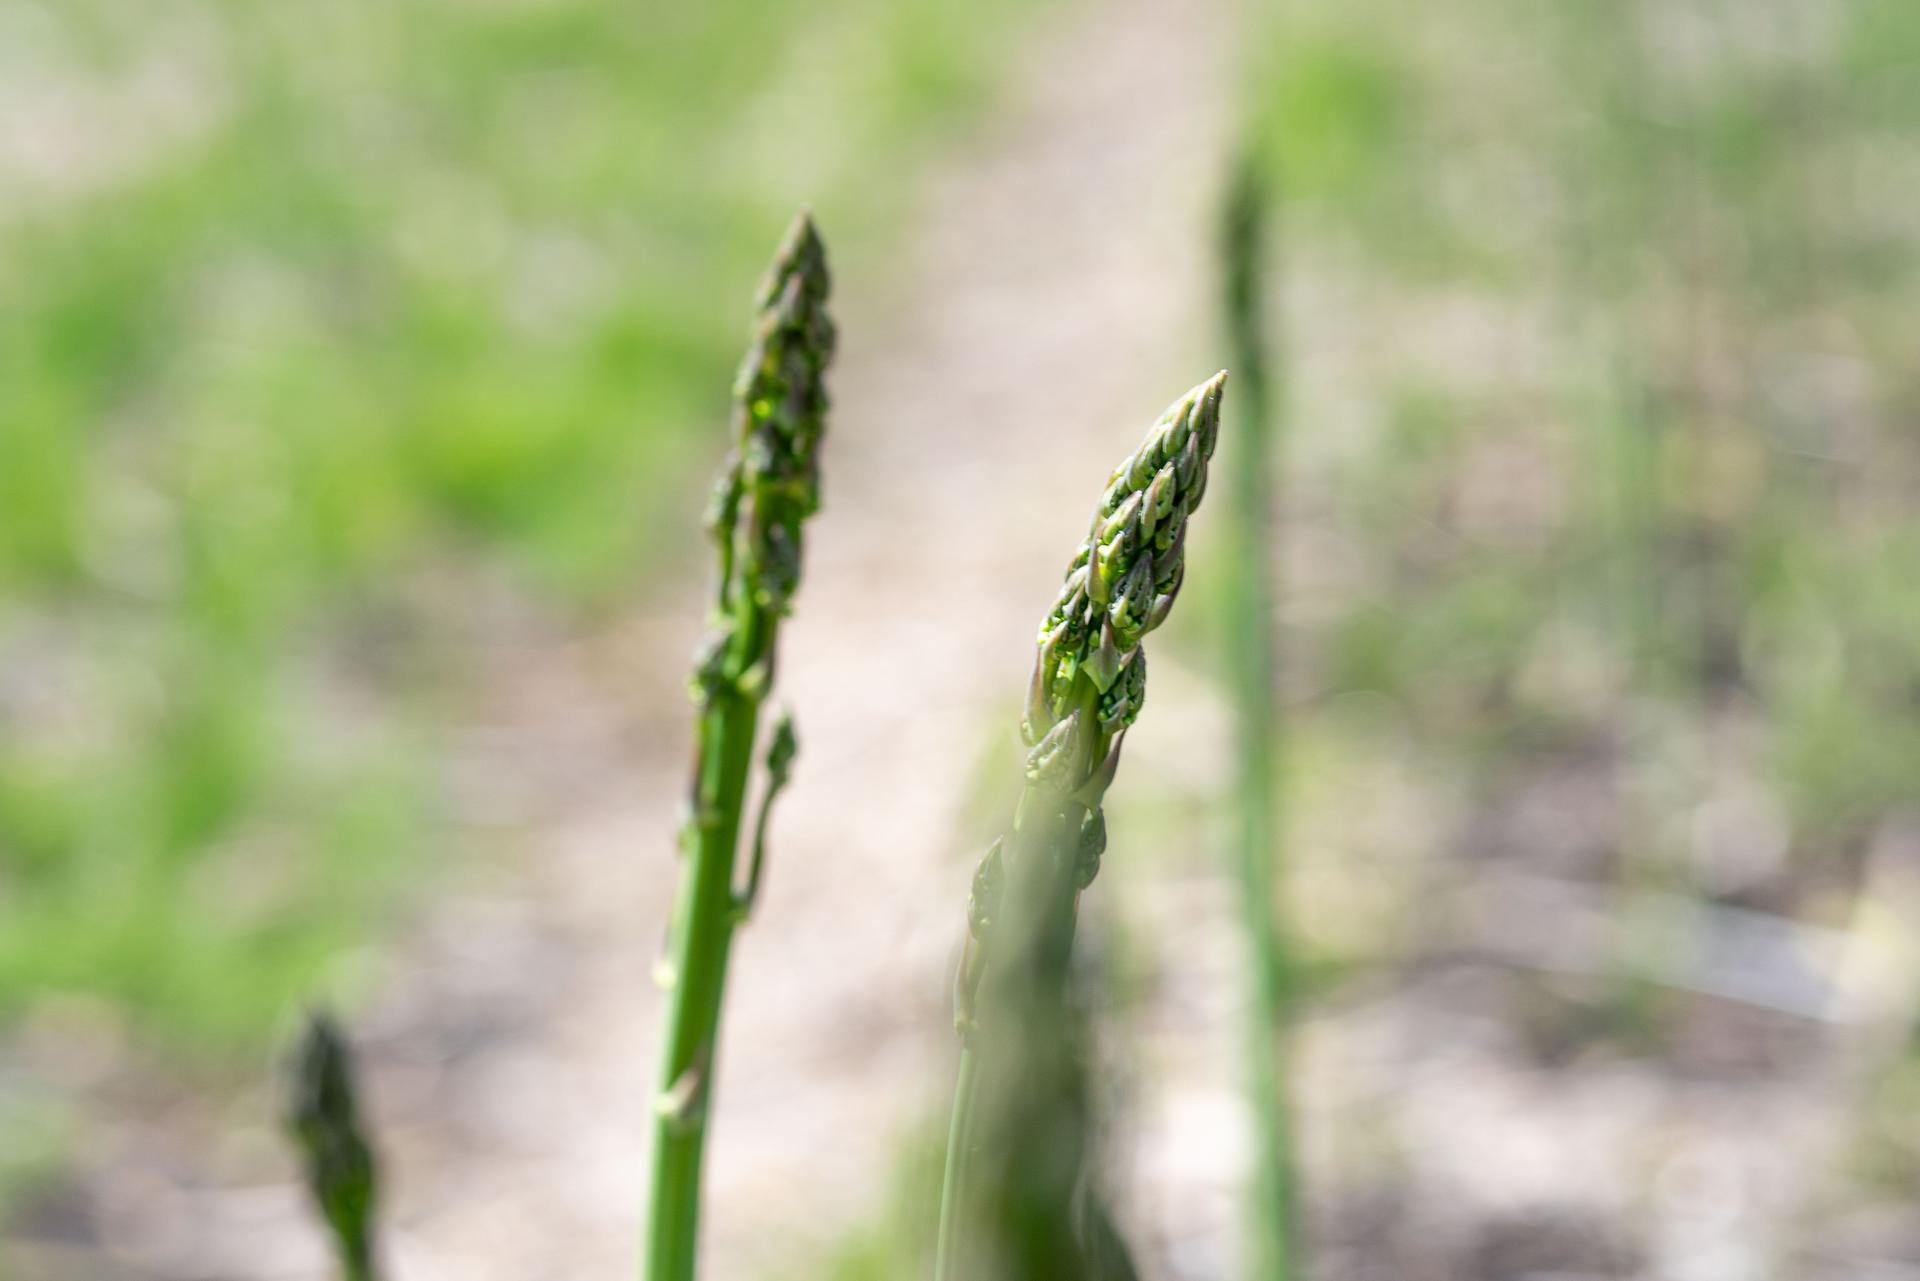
(802, 246)
(323, 1116)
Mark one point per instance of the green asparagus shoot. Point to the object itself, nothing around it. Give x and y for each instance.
(1021, 1108)
(767, 488)
(1249, 635)
(340, 1170)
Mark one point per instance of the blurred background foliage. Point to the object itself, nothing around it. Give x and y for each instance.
(1602, 473)
(1634, 465)
(307, 310)
(324, 324)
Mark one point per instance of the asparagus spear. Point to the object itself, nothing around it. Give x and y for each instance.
(767, 488)
(1031, 1216)
(340, 1169)
(1274, 1214)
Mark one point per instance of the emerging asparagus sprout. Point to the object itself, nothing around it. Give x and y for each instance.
(340, 1170)
(1010, 1007)
(1090, 675)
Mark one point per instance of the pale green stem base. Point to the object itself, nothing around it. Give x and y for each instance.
(959, 1148)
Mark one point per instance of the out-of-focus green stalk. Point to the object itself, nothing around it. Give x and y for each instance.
(767, 489)
(340, 1170)
(959, 1144)
(1019, 1203)
(1274, 1214)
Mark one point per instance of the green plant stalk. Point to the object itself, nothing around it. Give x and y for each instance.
(1011, 995)
(1274, 1212)
(704, 919)
(341, 1173)
(1047, 925)
(767, 489)
(954, 1178)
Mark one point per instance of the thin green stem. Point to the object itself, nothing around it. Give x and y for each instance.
(1275, 1214)
(697, 968)
(959, 1148)
(1031, 1062)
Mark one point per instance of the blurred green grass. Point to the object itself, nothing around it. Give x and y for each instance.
(1638, 391)
(320, 304)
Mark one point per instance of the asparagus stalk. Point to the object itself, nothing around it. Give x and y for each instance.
(767, 488)
(1021, 1102)
(340, 1169)
(1274, 1215)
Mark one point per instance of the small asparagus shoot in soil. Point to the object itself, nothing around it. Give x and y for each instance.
(1017, 1204)
(766, 490)
(339, 1165)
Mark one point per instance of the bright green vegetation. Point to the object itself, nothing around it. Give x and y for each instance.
(327, 314)
(768, 487)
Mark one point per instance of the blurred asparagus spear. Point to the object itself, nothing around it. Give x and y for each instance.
(767, 488)
(1018, 1203)
(1249, 604)
(340, 1169)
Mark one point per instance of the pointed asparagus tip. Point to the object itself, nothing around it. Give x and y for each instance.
(802, 253)
(1200, 402)
(1206, 413)
(803, 235)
